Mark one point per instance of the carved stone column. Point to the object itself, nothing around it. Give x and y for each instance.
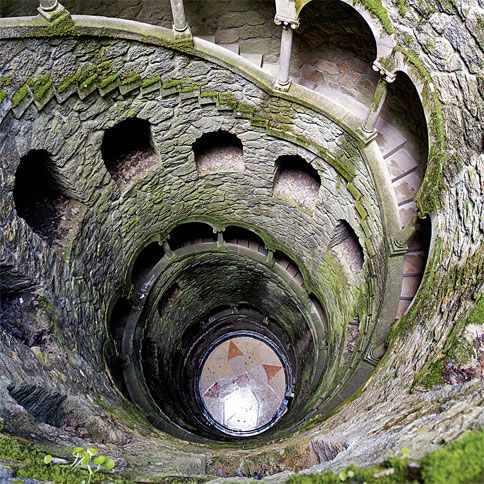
(51, 10)
(368, 127)
(283, 81)
(180, 25)
(48, 5)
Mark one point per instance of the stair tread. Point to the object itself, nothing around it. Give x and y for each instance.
(271, 67)
(389, 139)
(253, 58)
(208, 38)
(400, 162)
(234, 47)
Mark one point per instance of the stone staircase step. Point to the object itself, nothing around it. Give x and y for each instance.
(414, 263)
(403, 305)
(399, 163)
(234, 47)
(208, 38)
(271, 68)
(406, 187)
(410, 285)
(255, 59)
(406, 212)
(389, 139)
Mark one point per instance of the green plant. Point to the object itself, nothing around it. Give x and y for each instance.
(88, 459)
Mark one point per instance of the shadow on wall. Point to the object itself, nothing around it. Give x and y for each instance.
(334, 49)
(38, 196)
(127, 149)
(296, 180)
(218, 152)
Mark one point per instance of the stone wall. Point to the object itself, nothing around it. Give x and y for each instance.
(387, 416)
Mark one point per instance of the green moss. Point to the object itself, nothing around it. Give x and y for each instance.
(150, 81)
(477, 314)
(85, 76)
(189, 88)
(212, 94)
(67, 83)
(376, 8)
(27, 462)
(5, 81)
(41, 86)
(21, 93)
(61, 25)
(402, 7)
(87, 83)
(461, 461)
(173, 84)
(130, 79)
(431, 375)
(106, 81)
(461, 352)
(3, 95)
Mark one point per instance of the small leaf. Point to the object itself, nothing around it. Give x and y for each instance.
(109, 464)
(342, 476)
(100, 460)
(406, 452)
(351, 473)
(47, 459)
(77, 451)
(86, 460)
(92, 451)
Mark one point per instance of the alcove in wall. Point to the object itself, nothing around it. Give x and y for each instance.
(218, 152)
(38, 195)
(127, 148)
(297, 181)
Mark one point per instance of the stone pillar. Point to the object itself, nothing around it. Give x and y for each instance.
(283, 81)
(368, 127)
(180, 26)
(48, 5)
(52, 11)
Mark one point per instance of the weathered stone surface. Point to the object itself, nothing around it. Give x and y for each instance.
(387, 416)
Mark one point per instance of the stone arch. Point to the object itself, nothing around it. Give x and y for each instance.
(245, 238)
(191, 233)
(296, 180)
(38, 195)
(127, 147)
(218, 152)
(382, 30)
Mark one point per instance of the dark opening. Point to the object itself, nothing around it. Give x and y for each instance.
(320, 310)
(117, 322)
(297, 180)
(219, 151)
(289, 265)
(346, 247)
(334, 49)
(244, 238)
(37, 196)
(127, 148)
(168, 298)
(146, 260)
(414, 263)
(191, 233)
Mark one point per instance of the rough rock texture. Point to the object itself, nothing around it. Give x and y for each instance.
(391, 413)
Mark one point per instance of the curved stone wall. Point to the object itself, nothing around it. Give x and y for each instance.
(64, 290)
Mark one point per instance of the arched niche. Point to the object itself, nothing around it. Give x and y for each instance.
(218, 152)
(39, 196)
(297, 181)
(127, 148)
